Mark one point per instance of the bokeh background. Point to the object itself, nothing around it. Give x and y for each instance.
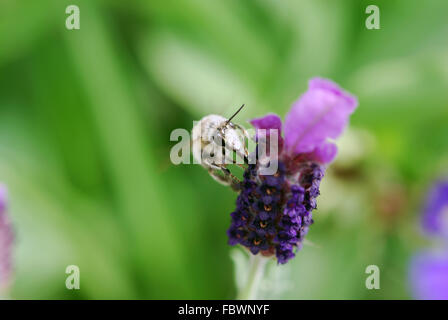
(86, 116)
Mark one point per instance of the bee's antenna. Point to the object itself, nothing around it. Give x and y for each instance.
(227, 122)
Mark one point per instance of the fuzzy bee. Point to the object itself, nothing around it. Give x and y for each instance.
(215, 140)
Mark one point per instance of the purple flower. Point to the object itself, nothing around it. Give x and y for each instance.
(277, 208)
(429, 276)
(6, 238)
(321, 113)
(429, 270)
(435, 214)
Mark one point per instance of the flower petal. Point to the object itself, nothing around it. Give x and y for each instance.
(326, 152)
(269, 121)
(3, 196)
(321, 113)
(429, 276)
(435, 216)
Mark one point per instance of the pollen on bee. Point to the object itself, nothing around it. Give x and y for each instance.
(267, 207)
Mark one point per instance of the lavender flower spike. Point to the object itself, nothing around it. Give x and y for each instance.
(273, 213)
(6, 239)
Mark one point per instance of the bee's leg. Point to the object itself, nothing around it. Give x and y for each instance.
(218, 176)
(223, 175)
(239, 164)
(235, 161)
(244, 154)
(234, 182)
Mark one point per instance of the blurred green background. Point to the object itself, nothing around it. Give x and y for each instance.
(86, 115)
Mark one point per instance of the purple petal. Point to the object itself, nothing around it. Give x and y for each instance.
(429, 276)
(321, 113)
(3, 197)
(6, 238)
(326, 152)
(269, 121)
(435, 215)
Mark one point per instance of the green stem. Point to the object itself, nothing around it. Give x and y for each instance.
(255, 274)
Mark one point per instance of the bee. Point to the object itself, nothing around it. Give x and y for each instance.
(212, 136)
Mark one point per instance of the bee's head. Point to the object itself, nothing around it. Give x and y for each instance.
(229, 136)
(225, 134)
